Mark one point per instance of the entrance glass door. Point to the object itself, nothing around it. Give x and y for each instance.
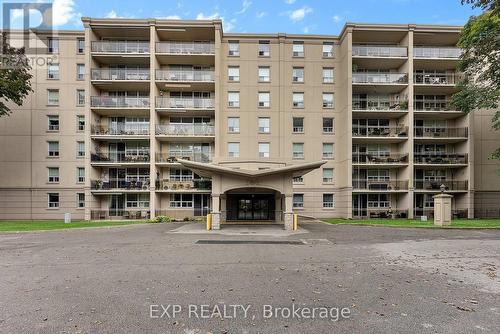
(116, 205)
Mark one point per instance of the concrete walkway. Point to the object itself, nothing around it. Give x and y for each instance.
(270, 230)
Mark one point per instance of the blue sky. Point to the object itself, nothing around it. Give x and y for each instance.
(291, 16)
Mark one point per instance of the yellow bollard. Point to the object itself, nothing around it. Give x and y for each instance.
(209, 222)
(295, 221)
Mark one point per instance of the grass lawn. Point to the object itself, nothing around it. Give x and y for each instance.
(461, 223)
(37, 225)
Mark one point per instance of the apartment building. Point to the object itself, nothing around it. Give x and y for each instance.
(177, 118)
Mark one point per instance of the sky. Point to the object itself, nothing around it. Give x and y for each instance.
(271, 16)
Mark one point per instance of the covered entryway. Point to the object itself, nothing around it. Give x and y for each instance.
(252, 204)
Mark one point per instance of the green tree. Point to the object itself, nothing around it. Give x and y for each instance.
(15, 76)
(480, 62)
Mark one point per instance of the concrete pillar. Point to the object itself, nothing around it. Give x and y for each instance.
(216, 212)
(442, 209)
(277, 207)
(288, 212)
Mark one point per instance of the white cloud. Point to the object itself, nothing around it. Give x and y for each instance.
(227, 25)
(306, 30)
(172, 17)
(245, 5)
(202, 16)
(111, 15)
(260, 15)
(299, 14)
(337, 18)
(63, 12)
(289, 2)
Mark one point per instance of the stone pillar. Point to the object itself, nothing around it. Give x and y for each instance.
(442, 209)
(215, 212)
(288, 213)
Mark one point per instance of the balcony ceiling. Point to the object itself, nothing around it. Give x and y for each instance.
(382, 63)
(183, 33)
(121, 32)
(378, 88)
(124, 85)
(435, 38)
(121, 59)
(377, 36)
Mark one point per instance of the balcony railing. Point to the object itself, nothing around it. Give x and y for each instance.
(436, 185)
(185, 75)
(435, 158)
(184, 102)
(119, 157)
(120, 47)
(379, 105)
(119, 214)
(196, 184)
(379, 213)
(432, 105)
(172, 156)
(424, 132)
(379, 78)
(139, 183)
(380, 131)
(379, 51)
(119, 102)
(436, 52)
(121, 129)
(456, 213)
(186, 48)
(368, 158)
(186, 129)
(132, 74)
(380, 184)
(437, 79)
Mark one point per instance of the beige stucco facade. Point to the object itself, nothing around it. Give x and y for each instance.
(370, 105)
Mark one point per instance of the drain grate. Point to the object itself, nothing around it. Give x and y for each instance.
(249, 242)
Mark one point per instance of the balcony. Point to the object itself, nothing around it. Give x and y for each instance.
(380, 159)
(429, 212)
(380, 185)
(439, 158)
(185, 75)
(375, 213)
(431, 109)
(432, 83)
(389, 134)
(379, 56)
(185, 130)
(172, 156)
(437, 52)
(442, 134)
(191, 185)
(128, 47)
(120, 74)
(119, 157)
(435, 186)
(383, 83)
(123, 129)
(136, 184)
(119, 214)
(119, 102)
(379, 107)
(185, 103)
(185, 48)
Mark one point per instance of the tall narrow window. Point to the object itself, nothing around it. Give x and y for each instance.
(264, 74)
(328, 201)
(80, 149)
(233, 73)
(298, 125)
(53, 148)
(80, 200)
(53, 174)
(53, 45)
(80, 97)
(328, 74)
(327, 175)
(264, 49)
(328, 101)
(233, 99)
(327, 150)
(80, 174)
(327, 125)
(80, 71)
(264, 124)
(298, 49)
(298, 74)
(263, 150)
(53, 97)
(298, 100)
(233, 150)
(234, 48)
(233, 124)
(53, 71)
(264, 99)
(53, 199)
(53, 123)
(80, 122)
(327, 50)
(298, 150)
(80, 45)
(298, 200)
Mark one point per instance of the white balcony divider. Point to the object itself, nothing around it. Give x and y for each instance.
(120, 46)
(437, 52)
(185, 129)
(136, 74)
(185, 75)
(119, 102)
(185, 102)
(379, 51)
(185, 48)
(382, 78)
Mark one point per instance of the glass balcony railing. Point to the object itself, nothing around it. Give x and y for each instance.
(120, 213)
(446, 132)
(172, 156)
(186, 129)
(443, 79)
(119, 102)
(379, 51)
(132, 74)
(136, 183)
(185, 75)
(436, 158)
(437, 52)
(429, 212)
(186, 48)
(120, 157)
(435, 185)
(371, 158)
(379, 105)
(379, 78)
(379, 131)
(380, 185)
(185, 102)
(120, 129)
(433, 105)
(175, 184)
(120, 47)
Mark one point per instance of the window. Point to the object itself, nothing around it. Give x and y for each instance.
(298, 125)
(181, 200)
(298, 49)
(80, 97)
(53, 174)
(53, 200)
(137, 201)
(233, 73)
(327, 150)
(264, 99)
(234, 48)
(80, 200)
(53, 71)
(80, 45)
(80, 149)
(328, 74)
(233, 99)
(233, 150)
(80, 71)
(263, 150)
(53, 45)
(327, 50)
(264, 124)
(80, 174)
(53, 97)
(298, 200)
(298, 150)
(53, 148)
(298, 100)
(53, 123)
(378, 201)
(328, 200)
(328, 100)
(298, 180)
(233, 124)
(327, 175)
(80, 122)
(264, 74)
(327, 125)
(298, 74)
(264, 50)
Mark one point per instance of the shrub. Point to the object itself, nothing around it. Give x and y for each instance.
(161, 219)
